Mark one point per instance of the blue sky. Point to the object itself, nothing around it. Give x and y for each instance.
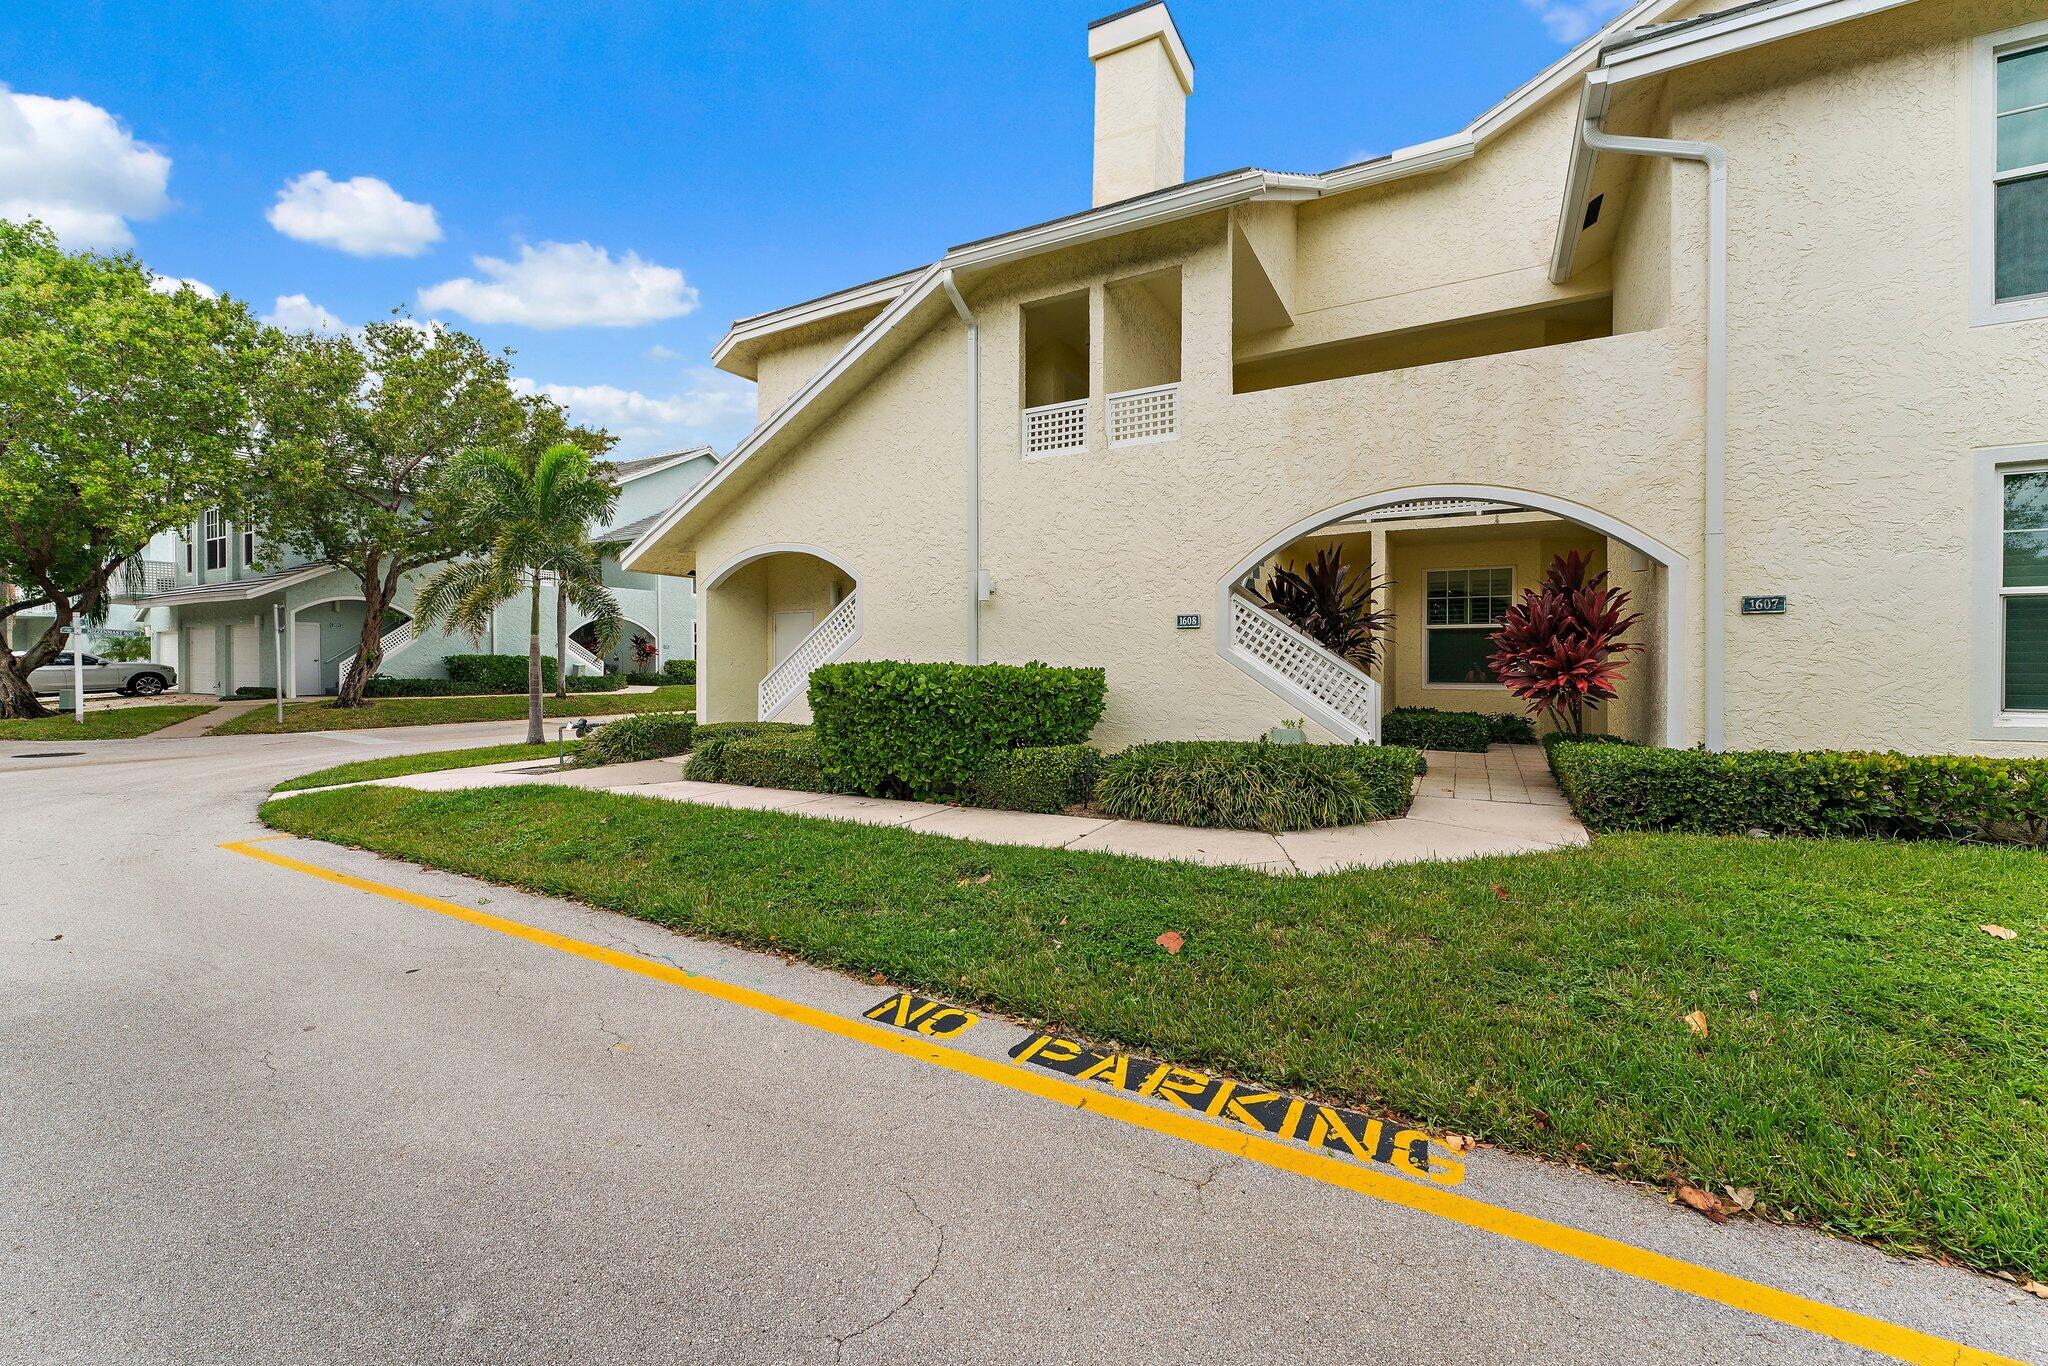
(603, 186)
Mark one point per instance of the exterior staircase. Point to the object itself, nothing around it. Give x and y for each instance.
(1329, 689)
(791, 676)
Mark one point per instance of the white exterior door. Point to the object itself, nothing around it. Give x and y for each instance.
(306, 660)
(166, 649)
(790, 630)
(245, 659)
(204, 674)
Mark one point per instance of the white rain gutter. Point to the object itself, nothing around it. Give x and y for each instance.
(1716, 162)
(973, 466)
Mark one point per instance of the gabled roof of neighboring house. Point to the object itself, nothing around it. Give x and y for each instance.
(626, 471)
(908, 298)
(236, 590)
(631, 531)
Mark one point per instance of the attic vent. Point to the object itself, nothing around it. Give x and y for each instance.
(1592, 212)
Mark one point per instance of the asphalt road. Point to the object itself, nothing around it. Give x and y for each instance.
(248, 1115)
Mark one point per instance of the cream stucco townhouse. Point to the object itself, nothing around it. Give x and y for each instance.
(210, 611)
(1749, 305)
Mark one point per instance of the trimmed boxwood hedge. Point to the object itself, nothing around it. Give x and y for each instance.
(788, 760)
(679, 671)
(631, 739)
(1467, 731)
(1821, 793)
(887, 728)
(1045, 778)
(707, 745)
(1253, 785)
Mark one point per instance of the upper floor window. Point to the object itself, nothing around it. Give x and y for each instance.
(248, 547)
(214, 532)
(187, 542)
(2012, 161)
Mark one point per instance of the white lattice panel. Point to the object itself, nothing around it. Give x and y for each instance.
(1302, 664)
(393, 641)
(839, 629)
(1056, 428)
(1144, 415)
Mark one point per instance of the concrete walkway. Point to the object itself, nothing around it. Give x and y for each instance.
(1466, 806)
(206, 721)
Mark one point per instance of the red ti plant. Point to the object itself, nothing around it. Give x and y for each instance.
(1560, 649)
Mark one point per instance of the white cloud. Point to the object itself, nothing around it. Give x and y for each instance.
(565, 284)
(660, 352)
(715, 406)
(362, 216)
(171, 284)
(297, 313)
(75, 167)
(1571, 20)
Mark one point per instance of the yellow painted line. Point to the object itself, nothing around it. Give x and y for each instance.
(1843, 1325)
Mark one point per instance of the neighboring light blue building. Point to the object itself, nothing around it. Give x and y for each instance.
(213, 621)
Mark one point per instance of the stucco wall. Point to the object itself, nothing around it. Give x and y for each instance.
(1858, 387)
(1859, 392)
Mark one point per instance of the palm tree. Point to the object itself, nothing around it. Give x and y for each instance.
(536, 514)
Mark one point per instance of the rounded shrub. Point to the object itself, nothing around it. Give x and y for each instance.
(786, 760)
(1468, 732)
(1252, 785)
(1044, 778)
(707, 746)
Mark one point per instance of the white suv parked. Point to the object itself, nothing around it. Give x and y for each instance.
(139, 678)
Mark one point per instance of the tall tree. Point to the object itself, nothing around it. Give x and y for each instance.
(362, 429)
(123, 413)
(537, 513)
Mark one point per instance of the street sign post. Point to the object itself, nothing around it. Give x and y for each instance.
(77, 673)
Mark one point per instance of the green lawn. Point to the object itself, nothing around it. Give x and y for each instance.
(434, 711)
(113, 723)
(363, 770)
(1887, 1080)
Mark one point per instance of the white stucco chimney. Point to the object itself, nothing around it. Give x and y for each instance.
(1143, 78)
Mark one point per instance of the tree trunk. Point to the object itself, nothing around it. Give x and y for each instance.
(534, 735)
(369, 651)
(17, 699)
(561, 639)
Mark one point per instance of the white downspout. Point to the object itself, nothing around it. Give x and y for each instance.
(1716, 162)
(973, 467)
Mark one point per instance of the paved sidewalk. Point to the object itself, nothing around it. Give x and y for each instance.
(1466, 806)
(206, 721)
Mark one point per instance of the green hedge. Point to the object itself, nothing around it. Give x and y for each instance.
(788, 760)
(380, 686)
(1467, 731)
(1426, 728)
(495, 673)
(631, 739)
(1252, 785)
(1047, 778)
(922, 730)
(679, 671)
(707, 747)
(1820, 793)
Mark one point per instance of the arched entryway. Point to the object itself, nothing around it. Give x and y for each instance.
(1455, 553)
(634, 649)
(768, 617)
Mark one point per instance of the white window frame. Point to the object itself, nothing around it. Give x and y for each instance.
(190, 558)
(1430, 629)
(1993, 721)
(213, 530)
(248, 547)
(1985, 309)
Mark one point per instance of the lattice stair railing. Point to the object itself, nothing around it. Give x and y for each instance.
(829, 640)
(1328, 688)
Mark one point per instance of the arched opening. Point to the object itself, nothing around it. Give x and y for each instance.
(767, 618)
(322, 639)
(1454, 557)
(633, 650)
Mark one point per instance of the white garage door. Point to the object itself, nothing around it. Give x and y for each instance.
(202, 674)
(245, 661)
(166, 649)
